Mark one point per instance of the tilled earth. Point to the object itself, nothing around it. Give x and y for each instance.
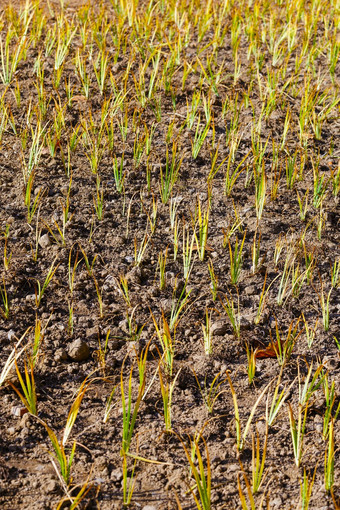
(27, 476)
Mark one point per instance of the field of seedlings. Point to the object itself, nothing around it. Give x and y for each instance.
(170, 254)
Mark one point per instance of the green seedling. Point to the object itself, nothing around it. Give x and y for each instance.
(12, 359)
(329, 459)
(258, 463)
(28, 396)
(5, 310)
(207, 334)
(201, 474)
(40, 290)
(129, 412)
(236, 260)
(211, 392)
(241, 438)
(167, 389)
(297, 430)
(234, 316)
(306, 489)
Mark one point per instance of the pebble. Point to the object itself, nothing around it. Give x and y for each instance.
(11, 335)
(276, 502)
(149, 507)
(50, 487)
(60, 355)
(135, 275)
(45, 241)
(250, 290)
(79, 350)
(219, 328)
(19, 411)
(116, 475)
(92, 332)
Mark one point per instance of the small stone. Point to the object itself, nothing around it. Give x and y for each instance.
(116, 475)
(11, 335)
(219, 328)
(245, 323)
(60, 355)
(45, 241)
(19, 411)
(276, 502)
(11, 431)
(149, 507)
(134, 347)
(166, 306)
(50, 487)
(135, 275)
(250, 290)
(92, 332)
(124, 326)
(79, 350)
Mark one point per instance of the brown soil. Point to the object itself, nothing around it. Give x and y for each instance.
(27, 477)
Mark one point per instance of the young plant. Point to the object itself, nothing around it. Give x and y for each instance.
(306, 489)
(31, 208)
(202, 237)
(61, 455)
(330, 397)
(277, 400)
(129, 413)
(311, 383)
(207, 334)
(310, 332)
(167, 343)
(118, 173)
(161, 265)
(124, 289)
(170, 174)
(167, 389)
(263, 299)
(297, 430)
(12, 359)
(329, 459)
(258, 463)
(40, 290)
(335, 274)
(201, 475)
(213, 280)
(241, 438)
(37, 341)
(128, 481)
(4, 298)
(187, 252)
(255, 253)
(325, 307)
(251, 369)
(260, 192)
(236, 260)
(211, 392)
(139, 252)
(65, 460)
(303, 204)
(177, 307)
(200, 136)
(234, 317)
(109, 405)
(72, 268)
(28, 395)
(98, 200)
(284, 347)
